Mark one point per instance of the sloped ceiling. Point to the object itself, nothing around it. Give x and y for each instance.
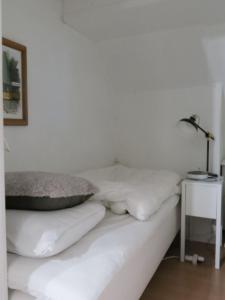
(166, 60)
(107, 19)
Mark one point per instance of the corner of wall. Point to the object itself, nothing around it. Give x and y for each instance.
(217, 97)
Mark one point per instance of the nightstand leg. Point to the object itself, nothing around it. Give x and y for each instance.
(218, 232)
(182, 240)
(183, 230)
(218, 242)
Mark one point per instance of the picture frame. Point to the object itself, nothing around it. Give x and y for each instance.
(14, 83)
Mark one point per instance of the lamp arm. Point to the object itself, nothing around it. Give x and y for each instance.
(208, 134)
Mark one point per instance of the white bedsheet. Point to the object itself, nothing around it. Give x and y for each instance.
(83, 271)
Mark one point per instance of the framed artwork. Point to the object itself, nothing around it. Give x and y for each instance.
(14, 83)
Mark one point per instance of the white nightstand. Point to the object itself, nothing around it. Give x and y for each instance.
(202, 199)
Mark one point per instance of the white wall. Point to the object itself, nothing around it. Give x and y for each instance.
(166, 60)
(150, 76)
(148, 132)
(159, 77)
(68, 99)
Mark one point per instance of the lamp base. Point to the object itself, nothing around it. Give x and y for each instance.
(212, 175)
(197, 175)
(200, 175)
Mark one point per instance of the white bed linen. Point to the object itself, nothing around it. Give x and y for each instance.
(140, 192)
(88, 270)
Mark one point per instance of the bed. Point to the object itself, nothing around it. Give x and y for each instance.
(116, 260)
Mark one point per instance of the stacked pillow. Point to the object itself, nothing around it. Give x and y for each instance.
(44, 234)
(45, 191)
(45, 212)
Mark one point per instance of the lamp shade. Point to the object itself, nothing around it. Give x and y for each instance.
(192, 121)
(187, 127)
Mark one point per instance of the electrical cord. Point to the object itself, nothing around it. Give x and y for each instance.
(171, 257)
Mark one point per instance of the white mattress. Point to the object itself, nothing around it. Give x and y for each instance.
(119, 253)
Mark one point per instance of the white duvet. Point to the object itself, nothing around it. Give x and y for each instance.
(140, 192)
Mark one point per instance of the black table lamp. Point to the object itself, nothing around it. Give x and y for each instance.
(194, 121)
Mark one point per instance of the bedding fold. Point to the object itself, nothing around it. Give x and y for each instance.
(140, 192)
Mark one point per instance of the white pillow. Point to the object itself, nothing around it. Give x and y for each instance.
(44, 234)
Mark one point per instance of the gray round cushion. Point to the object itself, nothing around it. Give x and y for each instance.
(45, 191)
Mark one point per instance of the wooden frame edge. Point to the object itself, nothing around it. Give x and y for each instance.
(23, 50)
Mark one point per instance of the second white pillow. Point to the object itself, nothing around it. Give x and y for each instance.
(44, 234)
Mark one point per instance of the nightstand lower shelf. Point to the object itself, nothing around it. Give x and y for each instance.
(204, 200)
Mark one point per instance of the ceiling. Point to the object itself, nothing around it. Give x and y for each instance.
(108, 19)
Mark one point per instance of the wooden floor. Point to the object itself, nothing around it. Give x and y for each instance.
(183, 281)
